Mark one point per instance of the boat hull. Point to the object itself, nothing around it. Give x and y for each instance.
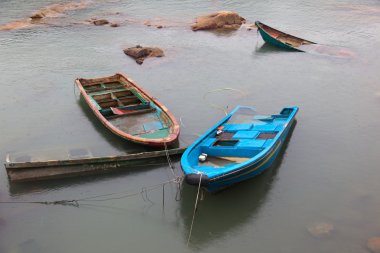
(218, 178)
(115, 125)
(280, 39)
(214, 185)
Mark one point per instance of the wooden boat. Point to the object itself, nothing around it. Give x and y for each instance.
(281, 39)
(129, 111)
(239, 147)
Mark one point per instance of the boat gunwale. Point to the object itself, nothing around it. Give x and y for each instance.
(175, 128)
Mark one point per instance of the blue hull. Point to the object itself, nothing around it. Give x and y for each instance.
(254, 159)
(250, 171)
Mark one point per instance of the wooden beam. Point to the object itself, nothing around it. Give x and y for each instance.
(55, 169)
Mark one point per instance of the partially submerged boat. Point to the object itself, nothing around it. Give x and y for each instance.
(281, 39)
(239, 147)
(129, 111)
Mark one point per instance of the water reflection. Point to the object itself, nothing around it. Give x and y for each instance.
(222, 213)
(268, 48)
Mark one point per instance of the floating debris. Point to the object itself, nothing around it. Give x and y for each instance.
(373, 244)
(321, 230)
(219, 20)
(140, 53)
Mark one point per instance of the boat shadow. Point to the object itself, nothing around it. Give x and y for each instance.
(315, 49)
(268, 48)
(219, 213)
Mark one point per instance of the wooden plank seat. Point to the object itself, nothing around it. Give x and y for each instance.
(132, 112)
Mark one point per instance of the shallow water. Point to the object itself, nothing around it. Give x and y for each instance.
(328, 171)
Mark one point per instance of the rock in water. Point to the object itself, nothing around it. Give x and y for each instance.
(218, 20)
(100, 22)
(373, 244)
(321, 229)
(114, 24)
(140, 53)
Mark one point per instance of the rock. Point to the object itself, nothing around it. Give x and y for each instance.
(37, 15)
(373, 244)
(114, 25)
(56, 10)
(150, 23)
(218, 20)
(140, 53)
(321, 229)
(100, 22)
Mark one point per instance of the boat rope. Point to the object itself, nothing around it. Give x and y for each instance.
(143, 192)
(75, 90)
(218, 90)
(195, 209)
(180, 121)
(171, 165)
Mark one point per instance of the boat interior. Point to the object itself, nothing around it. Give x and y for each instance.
(126, 109)
(239, 139)
(286, 38)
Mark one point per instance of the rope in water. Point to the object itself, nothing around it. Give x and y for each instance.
(76, 202)
(195, 209)
(218, 90)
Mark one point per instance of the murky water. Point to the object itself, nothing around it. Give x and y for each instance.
(328, 171)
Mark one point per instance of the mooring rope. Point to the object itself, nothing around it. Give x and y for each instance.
(76, 202)
(195, 209)
(218, 90)
(172, 167)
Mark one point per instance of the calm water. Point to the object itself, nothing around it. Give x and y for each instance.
(328, 171)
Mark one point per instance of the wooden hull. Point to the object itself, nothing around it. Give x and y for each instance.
(254, 148)
(281, 39)
(129, 111)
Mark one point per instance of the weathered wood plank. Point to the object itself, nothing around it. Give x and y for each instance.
(106, 159)
(55, 169)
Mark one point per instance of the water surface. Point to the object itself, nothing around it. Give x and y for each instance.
(328, 171)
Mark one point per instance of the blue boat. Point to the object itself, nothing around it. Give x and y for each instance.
(239, 147)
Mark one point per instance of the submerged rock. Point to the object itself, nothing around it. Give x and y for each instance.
(55, 10)
(373, 244)
(140, 53)
(218, 20)
(19, 24)
(114, 24)
(50, 11)
(321, 229)
(154, 23)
